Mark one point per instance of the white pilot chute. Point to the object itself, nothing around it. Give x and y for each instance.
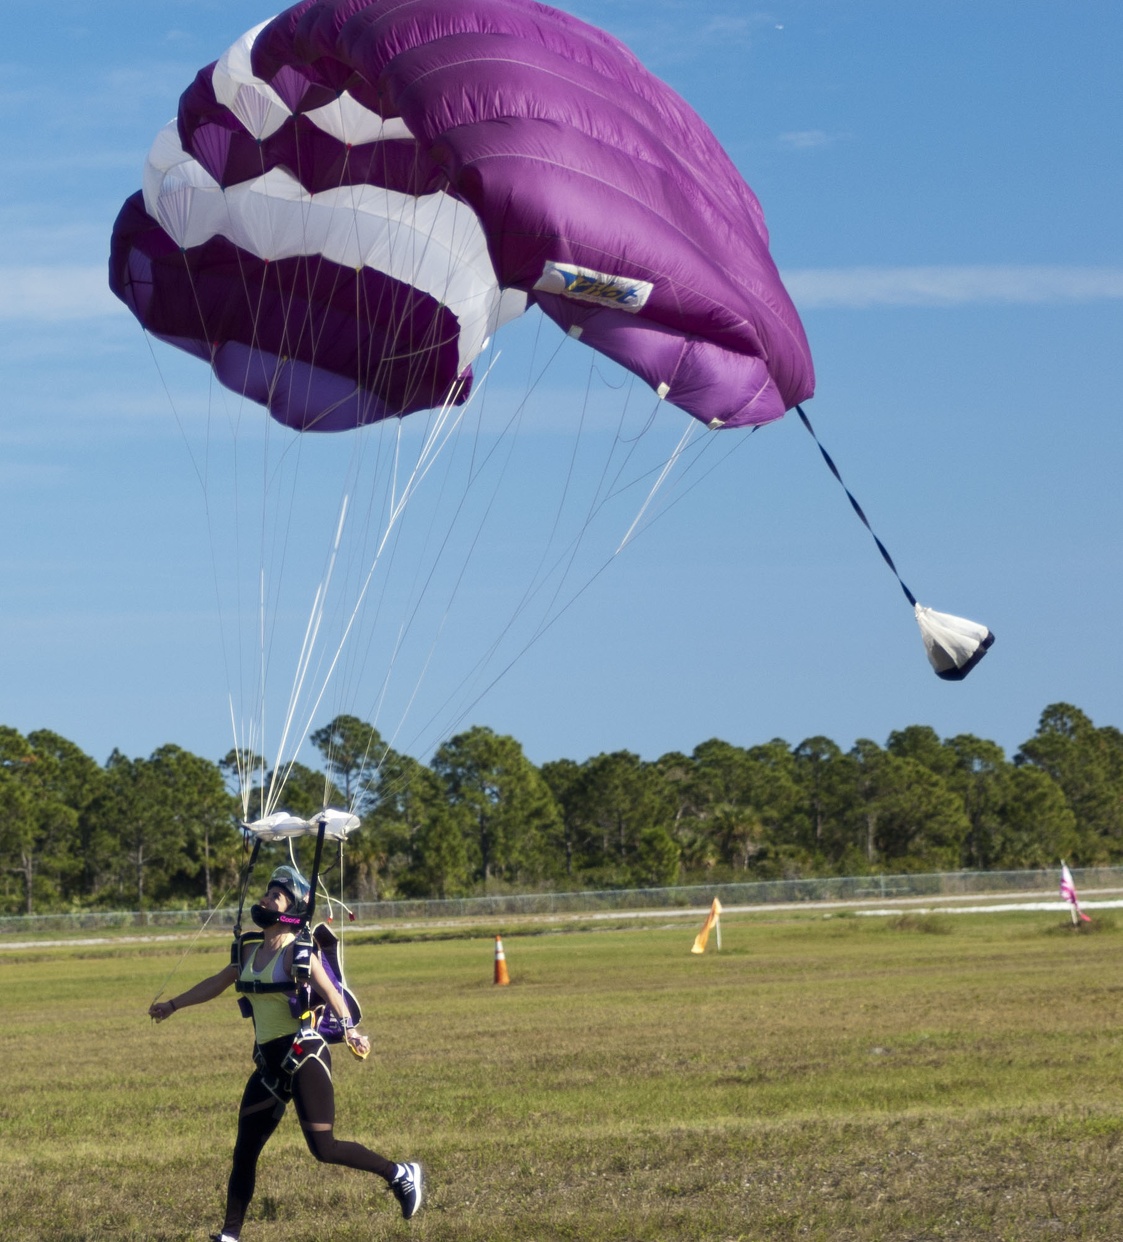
(954, 644)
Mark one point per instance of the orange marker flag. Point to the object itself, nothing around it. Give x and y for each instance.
(713, 919)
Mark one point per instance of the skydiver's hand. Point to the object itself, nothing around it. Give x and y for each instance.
(358, 1045)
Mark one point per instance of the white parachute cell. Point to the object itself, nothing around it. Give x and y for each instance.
(431, 242)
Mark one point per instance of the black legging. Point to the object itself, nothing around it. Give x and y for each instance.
(314, 1097)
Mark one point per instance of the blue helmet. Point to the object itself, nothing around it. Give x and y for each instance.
(294, 885)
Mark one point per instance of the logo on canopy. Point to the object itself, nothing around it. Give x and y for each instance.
(602, 288)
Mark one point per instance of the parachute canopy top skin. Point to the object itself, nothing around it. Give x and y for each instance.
(360, 192)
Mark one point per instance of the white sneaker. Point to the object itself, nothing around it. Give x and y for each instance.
(407, 1188)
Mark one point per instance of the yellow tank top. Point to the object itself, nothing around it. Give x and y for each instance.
(272, 1017)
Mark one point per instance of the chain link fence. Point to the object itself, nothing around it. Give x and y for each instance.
(865, 888)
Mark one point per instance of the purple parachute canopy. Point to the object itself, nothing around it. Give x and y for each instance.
(360, 192)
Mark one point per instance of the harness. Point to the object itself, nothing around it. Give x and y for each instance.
(319, 1026)
(304, 999)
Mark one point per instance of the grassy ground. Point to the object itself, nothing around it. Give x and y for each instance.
(837, 1079)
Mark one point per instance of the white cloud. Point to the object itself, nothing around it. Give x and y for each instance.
(858, 287)
(732, 29)
(808, 139)
(48, 294)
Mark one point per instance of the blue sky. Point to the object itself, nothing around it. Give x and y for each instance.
(942, 184)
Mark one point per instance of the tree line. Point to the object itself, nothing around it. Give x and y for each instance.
(162, 831)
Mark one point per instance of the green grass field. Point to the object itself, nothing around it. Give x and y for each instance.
(842, 1078)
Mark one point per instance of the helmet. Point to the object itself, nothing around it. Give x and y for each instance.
(295, 886)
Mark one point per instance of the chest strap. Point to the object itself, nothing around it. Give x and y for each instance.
(257, 986)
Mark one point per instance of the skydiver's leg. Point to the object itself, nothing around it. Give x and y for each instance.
(314, 1097)
(257, 1119)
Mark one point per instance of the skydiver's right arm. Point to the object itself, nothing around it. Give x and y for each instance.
(203, 991)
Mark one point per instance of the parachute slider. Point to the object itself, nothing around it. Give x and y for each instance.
(281, 826)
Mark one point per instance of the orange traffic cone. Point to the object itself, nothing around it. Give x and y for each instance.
(501, 976)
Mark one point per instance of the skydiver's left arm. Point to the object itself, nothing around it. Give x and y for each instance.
(338, 1006)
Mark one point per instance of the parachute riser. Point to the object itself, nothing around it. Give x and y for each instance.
(305, 947)
(236, 944)
(314, 878)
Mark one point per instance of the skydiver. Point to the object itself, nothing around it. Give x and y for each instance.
(275, 1081)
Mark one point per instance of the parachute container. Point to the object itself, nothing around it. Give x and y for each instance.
(331, 959)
